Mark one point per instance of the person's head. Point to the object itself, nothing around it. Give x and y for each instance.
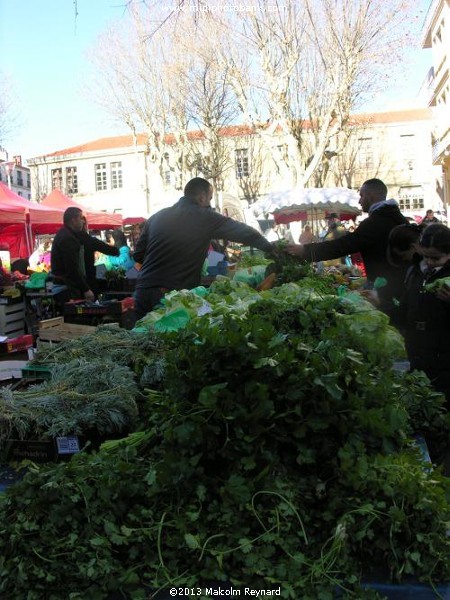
(434, 245)
(403, 243)
(117, 238)
(73, 218)
(199, 190)
(429, 214)
(372, 191)
(307, 229)
(333, 220)
(46, 243)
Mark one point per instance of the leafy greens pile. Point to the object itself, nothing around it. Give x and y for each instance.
(279, 453)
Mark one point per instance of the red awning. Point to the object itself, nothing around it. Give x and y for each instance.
(95, 219)
(133, 221)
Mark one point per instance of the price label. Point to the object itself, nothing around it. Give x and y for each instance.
(68, 445)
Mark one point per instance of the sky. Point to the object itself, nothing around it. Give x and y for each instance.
(43, 49)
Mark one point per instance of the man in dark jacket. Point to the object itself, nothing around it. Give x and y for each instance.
(370, 238)
(67, 257)
(174, 244)
(91, 245)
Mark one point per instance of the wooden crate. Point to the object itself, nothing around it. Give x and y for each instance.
(12, 319)
(56, 330)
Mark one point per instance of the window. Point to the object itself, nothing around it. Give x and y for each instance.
(56, 179)
(19, 178)
(411, 198)
(167, 177)
(116, 175)
(365, 153)
(71, 180)
(242, 169)
(408, 150)
(28, 180)
(100, 177)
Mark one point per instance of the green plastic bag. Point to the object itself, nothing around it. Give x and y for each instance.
(172, 321)
(252, 276)
(36, 281)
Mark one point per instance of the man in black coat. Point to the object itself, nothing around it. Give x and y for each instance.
(370, 238)
(67, 256)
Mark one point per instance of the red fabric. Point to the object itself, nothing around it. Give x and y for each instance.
(95, 219)
(133, 220)
(41, 218)
(16, 238)
(302, 215)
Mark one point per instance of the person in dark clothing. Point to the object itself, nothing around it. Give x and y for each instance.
(403, 245)
(429, 218)
(67, 256)
(370, 238)
(174, 244)
(91, 245)
(425, 315)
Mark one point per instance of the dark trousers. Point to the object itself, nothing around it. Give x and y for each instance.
(146, 299)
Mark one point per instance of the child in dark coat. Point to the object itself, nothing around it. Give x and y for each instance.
(426, 309)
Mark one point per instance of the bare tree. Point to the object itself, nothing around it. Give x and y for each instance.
(132, 83)
(296, 70)
(313, 63)
(8, 110)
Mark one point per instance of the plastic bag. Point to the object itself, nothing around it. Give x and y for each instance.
(252, 276)
(36, 281)
(172, 321)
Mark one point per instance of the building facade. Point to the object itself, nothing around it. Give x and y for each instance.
(122, 174)
(436, 35)
(15, 175)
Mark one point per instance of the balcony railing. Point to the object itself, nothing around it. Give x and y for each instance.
(441, 148)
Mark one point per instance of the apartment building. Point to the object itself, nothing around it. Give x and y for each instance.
(15, 174)
(108, 174)
(436, 35)
(124, 174)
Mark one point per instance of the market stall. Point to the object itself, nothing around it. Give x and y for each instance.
(309, 204)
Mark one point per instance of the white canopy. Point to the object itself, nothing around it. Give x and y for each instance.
(298, 204)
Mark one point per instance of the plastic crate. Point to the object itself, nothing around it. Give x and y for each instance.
(109, 307)
(36, 372)
(9, 475)
(17, 344)
(410, 591)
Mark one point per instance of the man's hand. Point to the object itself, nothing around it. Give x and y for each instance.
(89, 296)
(371, 296)
(443, 294)
(295, 250)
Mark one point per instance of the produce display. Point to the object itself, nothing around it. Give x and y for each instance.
(437, 285)
(274, 448)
